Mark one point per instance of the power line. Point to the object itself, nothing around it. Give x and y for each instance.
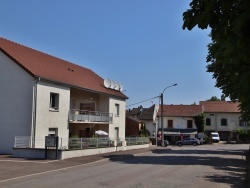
(142, 101)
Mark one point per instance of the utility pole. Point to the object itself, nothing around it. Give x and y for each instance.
(162, 129)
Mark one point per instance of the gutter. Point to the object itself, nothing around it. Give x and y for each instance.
(33, 129)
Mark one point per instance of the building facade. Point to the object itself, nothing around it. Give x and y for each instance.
(223, 117)
(43, 95)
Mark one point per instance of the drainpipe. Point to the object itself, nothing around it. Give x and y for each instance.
(33, 129)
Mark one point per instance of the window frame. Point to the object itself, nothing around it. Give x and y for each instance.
(54, 101)
(208, 121)
(172, 123)
(223, 122)
(117, 109)
(188, 123)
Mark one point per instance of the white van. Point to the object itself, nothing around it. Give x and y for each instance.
(215, 137)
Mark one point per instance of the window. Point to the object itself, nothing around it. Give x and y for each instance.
(208, 121)
(54, 101)
(117, 109)
(170, 123)
(223, 122)
(189, 123)
(243, 123)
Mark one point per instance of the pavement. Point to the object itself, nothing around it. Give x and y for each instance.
(14, 168)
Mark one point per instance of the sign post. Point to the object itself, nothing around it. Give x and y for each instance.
(51, 141)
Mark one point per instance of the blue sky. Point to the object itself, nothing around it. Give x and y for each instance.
(139, 43)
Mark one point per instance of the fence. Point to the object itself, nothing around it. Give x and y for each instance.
(79, 143)
(136, 140)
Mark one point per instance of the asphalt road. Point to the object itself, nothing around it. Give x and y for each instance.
(217, 165)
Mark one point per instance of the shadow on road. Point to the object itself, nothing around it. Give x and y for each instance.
(234, 168)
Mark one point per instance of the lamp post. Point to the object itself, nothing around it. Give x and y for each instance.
(162, 130)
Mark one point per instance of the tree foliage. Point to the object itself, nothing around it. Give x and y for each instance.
(229, 52)
(213, 98)
(200, 122)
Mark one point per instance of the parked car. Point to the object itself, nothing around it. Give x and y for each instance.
(188, 141)
(215, 137)
(159, 143)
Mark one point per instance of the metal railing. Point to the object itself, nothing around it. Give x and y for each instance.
(136, 140)
(90, 116)
(22, 141)
(79, 143)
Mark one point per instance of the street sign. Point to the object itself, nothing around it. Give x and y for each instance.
(50, 141)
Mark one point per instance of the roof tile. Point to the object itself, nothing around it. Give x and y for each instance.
(220, 106)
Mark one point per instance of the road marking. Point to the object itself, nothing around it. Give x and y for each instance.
(40, 173)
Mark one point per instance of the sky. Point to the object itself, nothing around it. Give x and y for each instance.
(139, 43)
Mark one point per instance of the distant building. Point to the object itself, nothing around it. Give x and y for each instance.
(148, 116)
(223, 117)
(178, 120)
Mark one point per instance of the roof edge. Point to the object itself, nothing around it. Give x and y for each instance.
(77, 87)
(17, 62)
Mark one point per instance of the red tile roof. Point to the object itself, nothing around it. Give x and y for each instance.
(51, 68)
(180, 110)
(220, 106)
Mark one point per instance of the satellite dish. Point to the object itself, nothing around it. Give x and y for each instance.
(112, 84)
(120, 87)
(107, 83)
(117, 86)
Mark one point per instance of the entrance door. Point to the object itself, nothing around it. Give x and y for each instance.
(89, 132)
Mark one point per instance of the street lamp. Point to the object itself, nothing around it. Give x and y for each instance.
(162, 130)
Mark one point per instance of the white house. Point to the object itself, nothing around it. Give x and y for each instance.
(43, 95)
(178, 120)
(222, 117)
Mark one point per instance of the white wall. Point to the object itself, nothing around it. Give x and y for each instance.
(118, 121)
(178, 122)
(47, 118)
(232, 121)
(15, 103)
(151, 127)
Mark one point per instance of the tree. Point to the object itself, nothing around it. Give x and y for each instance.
(229, 52)
(214, 98)
(199, 121)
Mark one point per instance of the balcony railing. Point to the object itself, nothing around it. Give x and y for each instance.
(90, 116)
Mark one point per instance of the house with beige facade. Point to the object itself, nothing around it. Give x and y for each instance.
(223, 117)
(43, 95)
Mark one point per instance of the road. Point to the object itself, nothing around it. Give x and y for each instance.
(217, 165)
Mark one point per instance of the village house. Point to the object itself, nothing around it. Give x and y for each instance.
(143, 115)
(178, 120)
(223, 117)
(43, 95)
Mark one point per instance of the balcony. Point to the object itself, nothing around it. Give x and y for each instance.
(85, 116)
